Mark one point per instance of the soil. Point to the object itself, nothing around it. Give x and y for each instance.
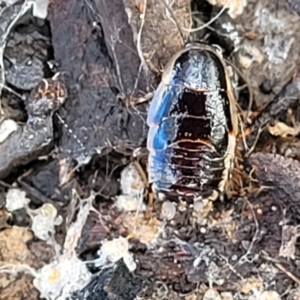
(76, 216)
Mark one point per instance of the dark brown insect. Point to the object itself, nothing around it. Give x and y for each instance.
(193, 126)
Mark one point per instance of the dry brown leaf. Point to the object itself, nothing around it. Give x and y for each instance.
(160, 37)
(13, 250)
(3, 219)
(225, 222)
(249, 284)
(13, 288)
(139, 228)
(201, 211)
(283, 130)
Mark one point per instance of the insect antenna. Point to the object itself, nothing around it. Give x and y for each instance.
(239, 72)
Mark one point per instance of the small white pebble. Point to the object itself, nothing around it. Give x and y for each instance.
(203, 230)
(168, 210)
(269, 295)
(263, 266)
(259, 211)
(212, 294)
(226, 296)
(234, 257)
(198, 206)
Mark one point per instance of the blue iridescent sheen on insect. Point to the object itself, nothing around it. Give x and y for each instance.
(189, 123)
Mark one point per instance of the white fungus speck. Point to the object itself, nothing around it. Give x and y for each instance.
(168, 210)
(44, 219)
(16, 199)
(114, 250)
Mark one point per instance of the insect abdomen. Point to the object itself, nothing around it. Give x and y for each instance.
(190, 123)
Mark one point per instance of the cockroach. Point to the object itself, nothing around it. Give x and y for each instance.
(193, 126)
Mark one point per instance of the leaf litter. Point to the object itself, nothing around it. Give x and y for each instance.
(174, 254)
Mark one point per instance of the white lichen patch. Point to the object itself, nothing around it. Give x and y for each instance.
(44, 219)
(66, 274)
(16, 199)
(59, 279)
(114, 250)
(279, 43)
(129, 203)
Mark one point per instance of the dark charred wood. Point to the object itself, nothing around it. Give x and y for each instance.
(102, 76)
